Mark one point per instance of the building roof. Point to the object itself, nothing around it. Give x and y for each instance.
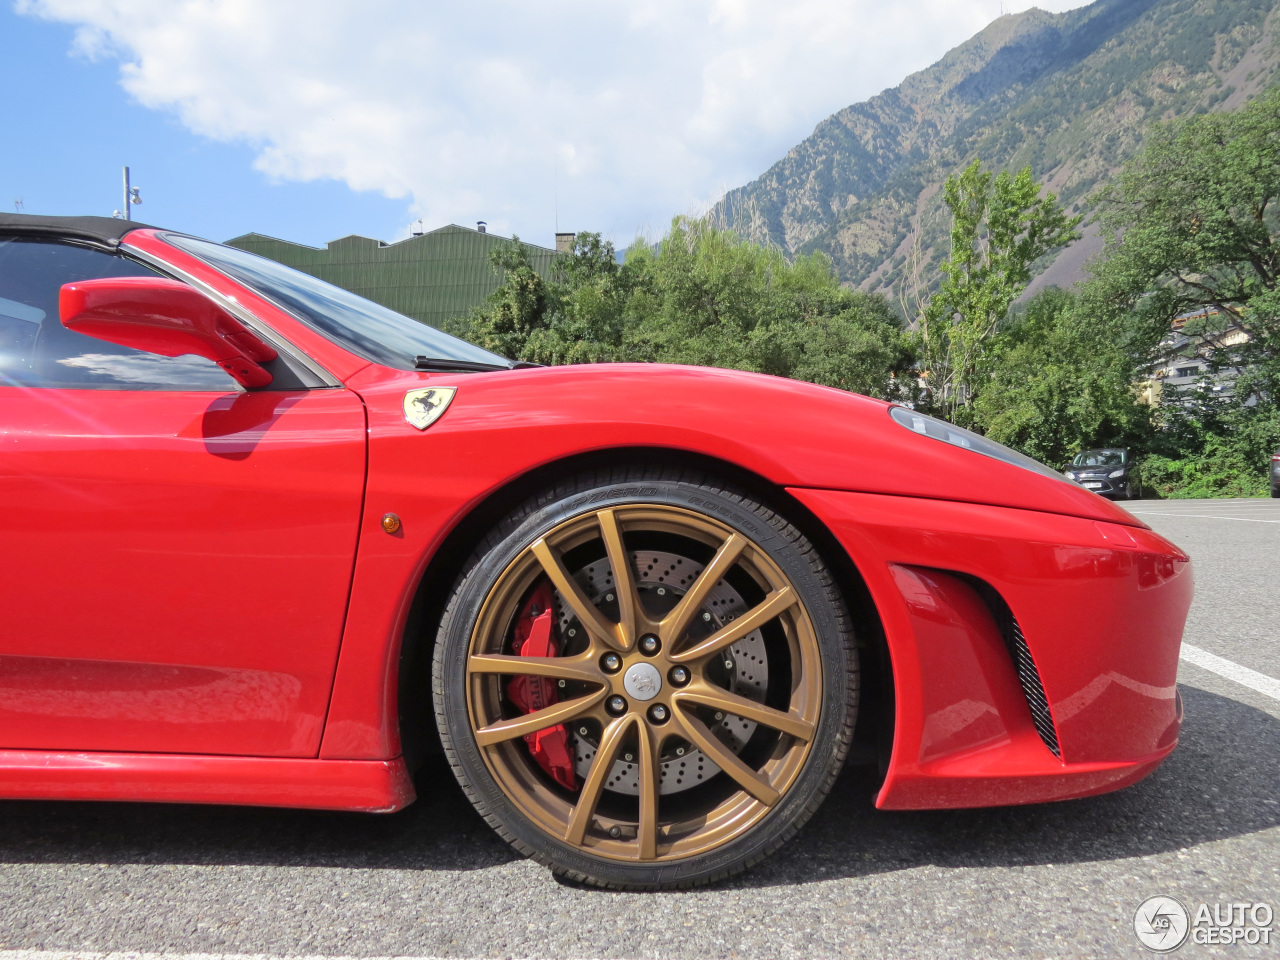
(431, 277)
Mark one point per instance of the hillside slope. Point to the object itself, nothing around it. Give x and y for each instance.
(1070, 94)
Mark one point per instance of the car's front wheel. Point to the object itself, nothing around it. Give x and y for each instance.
(646, 680)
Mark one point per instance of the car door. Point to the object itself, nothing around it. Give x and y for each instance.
(177, 552)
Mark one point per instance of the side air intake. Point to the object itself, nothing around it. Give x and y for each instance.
(1028, 675)
(1032, 688)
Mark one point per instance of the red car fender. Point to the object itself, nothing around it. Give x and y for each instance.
(502, 426)
(1102, 608)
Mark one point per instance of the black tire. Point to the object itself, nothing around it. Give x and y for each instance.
(773, 535)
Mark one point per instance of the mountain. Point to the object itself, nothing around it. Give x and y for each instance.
(1071, 94)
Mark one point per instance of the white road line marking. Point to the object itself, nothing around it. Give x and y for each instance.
(1252, 679)
(1200, 516)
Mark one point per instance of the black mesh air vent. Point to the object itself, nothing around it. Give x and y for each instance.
(1032, 689)
(1028, 675)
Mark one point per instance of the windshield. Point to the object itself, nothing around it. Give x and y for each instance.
(367, 329)
(1100, 458)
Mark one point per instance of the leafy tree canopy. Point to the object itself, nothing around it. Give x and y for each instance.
(1194, 233)
(1000, 227)
(1060, 384)
(701, 296)
(1193, 224)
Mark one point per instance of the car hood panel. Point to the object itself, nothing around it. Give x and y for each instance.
(794, 434)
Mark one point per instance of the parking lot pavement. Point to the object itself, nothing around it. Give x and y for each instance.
(1235, 547)
(1049, 880)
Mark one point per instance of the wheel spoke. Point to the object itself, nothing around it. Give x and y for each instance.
(718, 698)
(647, 832)
(538, 720)
(592, 620)
(696, 557)
(581, 668)
(775, 603)
(676, 622)
(722, 757)
(593, 786)
(623, 580)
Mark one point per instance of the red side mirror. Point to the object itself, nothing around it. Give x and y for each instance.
(165, 317)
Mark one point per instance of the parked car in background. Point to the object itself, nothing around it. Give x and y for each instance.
(1108, 471)
(1275, 474)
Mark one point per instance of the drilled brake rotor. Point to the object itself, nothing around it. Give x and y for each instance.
(661, 579)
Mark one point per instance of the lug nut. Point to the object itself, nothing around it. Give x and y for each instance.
(616, 705)
(658, 713)
(679, 751)
(615, 832)
(628, 757)
(678, 676)
(649, 645)
(611, 663)
(662, 591)
(560, 684)
(582, 731)
(706, 617)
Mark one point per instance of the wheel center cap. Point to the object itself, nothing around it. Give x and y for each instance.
(642, 681)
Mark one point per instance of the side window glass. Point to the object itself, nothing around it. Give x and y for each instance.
(36, 350)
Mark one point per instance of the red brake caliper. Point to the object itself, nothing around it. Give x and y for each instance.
(535, 638)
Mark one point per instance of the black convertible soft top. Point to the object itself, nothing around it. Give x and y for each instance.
(109, 230)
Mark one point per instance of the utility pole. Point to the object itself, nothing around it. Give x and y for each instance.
(131, 195)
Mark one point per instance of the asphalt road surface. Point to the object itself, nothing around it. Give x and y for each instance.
(1054, 880)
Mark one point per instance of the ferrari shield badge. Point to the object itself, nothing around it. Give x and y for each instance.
(422, 408)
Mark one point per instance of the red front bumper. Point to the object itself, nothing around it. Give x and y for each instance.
(1101, 607)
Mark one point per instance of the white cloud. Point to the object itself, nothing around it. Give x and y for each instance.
(187, 371)
(628, 112)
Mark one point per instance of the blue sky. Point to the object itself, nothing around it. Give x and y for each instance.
(71, 128)
(314, 119)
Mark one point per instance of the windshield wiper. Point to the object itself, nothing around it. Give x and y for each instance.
(461, 366)
(468, 366)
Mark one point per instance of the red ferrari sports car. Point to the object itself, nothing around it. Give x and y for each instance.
(267, 542)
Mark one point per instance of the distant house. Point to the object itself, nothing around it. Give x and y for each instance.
(1183, 361)
(430, 276)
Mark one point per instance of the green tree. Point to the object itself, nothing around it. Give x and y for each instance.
(515, 311)
(1000, 227)
(1193, 228)
(1061, 382)
(703, 296)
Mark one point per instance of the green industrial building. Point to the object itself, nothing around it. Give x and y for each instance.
(431, 276)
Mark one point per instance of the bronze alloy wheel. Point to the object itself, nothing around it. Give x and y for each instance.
(685, 694)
